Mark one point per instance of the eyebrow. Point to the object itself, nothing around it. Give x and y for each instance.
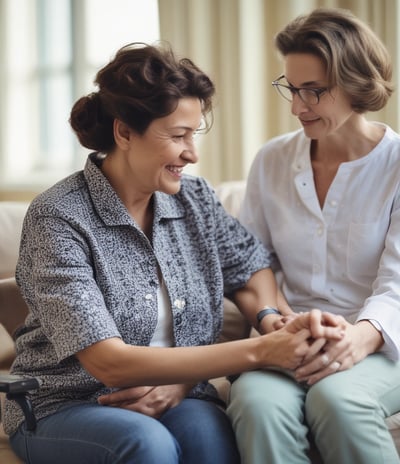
(187, 128)
(310, 84)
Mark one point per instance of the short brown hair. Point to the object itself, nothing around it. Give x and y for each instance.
(355, 58)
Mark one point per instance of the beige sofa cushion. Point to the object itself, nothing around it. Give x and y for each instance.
(12, 214)
(230, 194)
(7, 349)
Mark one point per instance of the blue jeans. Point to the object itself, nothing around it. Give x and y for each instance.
(193, 432)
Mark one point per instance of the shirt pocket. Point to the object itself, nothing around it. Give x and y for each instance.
(364, 249)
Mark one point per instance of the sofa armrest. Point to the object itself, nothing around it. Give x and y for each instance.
(13, 309)
(16, 388)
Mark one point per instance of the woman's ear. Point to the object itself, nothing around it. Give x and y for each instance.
(122, 134)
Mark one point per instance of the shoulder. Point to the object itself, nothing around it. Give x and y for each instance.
(197, 199)
(281, 152)
(198, 184)
(391, 136)
(65, 198)
(195, 190)
(387, 153)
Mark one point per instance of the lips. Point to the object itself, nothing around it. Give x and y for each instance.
(308, 121)
(175, 170)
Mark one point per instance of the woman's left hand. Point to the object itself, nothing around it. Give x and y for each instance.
(151, 401)
(359, 341)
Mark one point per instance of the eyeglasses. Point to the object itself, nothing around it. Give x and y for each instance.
(307, 95)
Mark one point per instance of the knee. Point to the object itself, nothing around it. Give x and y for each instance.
(247, 397)
(264, 394)
(331, 400)
(149, 444)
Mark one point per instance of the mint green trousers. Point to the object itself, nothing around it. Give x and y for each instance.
(274, 417)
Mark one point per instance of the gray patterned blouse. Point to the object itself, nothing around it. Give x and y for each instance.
(88, 273)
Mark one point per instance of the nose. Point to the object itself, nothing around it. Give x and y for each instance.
(298, 106)
(190, 154)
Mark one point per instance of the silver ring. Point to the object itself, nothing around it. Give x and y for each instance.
(336, 365)
(325, 359)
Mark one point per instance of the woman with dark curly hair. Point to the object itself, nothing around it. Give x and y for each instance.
(325, 200)
(124, 266)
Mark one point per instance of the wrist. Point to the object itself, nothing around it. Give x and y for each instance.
(266, 311)
(371, 335)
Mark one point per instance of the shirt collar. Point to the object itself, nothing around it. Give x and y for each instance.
(110, 207)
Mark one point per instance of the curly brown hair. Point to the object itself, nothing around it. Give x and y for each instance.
(142, 83)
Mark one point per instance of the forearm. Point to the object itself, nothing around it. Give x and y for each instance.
(283, 305)
(260, 291)
(119, 365)
(116, 364)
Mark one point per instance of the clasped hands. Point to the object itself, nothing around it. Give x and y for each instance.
(333, 344)
(152, 401)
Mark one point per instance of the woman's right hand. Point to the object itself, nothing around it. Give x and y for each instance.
(302, 337)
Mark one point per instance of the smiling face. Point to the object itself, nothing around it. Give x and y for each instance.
(332, 112)
(155, 160)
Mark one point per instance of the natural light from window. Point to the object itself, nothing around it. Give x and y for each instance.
(47, 68)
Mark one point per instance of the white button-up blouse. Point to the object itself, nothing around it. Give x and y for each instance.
(345, 257)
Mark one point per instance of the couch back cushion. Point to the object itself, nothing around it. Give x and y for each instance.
(230, 194)
(12, 214)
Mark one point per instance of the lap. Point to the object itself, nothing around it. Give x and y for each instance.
(92, 433)
(376, 377)
(375, 380)
(343, 413)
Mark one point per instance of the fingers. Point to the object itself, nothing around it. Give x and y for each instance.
(320, 367)
(125, 395)
(330, 369)
(326, 325)
(278, 324)
(302, 321)
(315, 347)
(336, 365)
(325, 359)
(149, 403)
(318, 363)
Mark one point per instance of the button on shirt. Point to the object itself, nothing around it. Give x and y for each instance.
(88, 273)
(345, 257)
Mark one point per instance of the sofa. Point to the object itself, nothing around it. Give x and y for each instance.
(13, 309)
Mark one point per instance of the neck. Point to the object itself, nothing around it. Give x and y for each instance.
(138, 204)
(347, 144)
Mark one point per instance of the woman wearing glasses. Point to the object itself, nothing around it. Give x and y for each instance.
(325, 200)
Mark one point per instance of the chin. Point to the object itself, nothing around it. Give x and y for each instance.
(171, 189)
(312, 133)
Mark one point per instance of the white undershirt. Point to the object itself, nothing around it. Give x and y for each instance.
(163, 335)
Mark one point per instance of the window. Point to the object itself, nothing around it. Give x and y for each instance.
(51, 51)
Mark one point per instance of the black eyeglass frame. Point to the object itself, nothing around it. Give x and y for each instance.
(296, 90)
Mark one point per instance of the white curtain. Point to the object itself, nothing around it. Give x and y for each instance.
(232, 40)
